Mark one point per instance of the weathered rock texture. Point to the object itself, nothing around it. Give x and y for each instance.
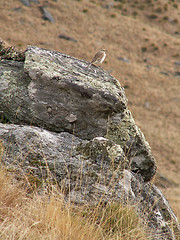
(61, 93)
(93, 170)
(88, 137)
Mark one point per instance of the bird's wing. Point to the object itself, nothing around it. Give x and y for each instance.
(96, 57)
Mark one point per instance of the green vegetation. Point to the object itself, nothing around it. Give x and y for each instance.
(85, 10)
(144, 49)
(11, 53)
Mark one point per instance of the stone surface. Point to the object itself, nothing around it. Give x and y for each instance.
(46, 14)
(68, 38)
(26, 2)
(60, 93)
(87, 171)
(71, 123)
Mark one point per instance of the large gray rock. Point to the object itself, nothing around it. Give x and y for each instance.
(60, 93)
(87, 138)
(87, 171)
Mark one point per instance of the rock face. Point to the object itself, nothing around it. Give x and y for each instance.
(92, 170)
(84, 135)
(60, 93)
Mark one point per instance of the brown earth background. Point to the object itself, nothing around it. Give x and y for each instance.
(145, 33)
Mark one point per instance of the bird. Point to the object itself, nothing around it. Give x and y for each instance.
(98, 57)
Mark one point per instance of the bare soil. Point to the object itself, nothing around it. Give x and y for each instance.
(144, 32)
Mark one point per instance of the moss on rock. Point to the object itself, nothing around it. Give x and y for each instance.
(11, 53)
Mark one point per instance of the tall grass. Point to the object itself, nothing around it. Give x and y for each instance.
(48, 216)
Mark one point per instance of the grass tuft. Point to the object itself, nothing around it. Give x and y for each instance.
(48, 216)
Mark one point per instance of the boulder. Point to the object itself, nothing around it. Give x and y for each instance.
(70, 123)
(87, 171)
(60, 93)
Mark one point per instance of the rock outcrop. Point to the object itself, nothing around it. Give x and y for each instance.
(82, 132)
(61, 94)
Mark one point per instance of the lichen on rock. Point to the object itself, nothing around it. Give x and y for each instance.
(81, 131)
(11, 53)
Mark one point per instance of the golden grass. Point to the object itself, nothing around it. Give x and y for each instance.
(47, 216)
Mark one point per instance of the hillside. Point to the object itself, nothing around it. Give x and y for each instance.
(142, 39)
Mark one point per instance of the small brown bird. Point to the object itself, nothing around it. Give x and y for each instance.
(99, 57)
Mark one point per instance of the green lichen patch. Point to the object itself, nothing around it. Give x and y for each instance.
(123, 130)
(3, 118)
(101, 151)
(11, 53)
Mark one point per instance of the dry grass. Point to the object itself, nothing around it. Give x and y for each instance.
(47, 216)
(124, 35)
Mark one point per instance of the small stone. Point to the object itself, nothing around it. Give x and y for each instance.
(71, 118)
(17, 9)
(47, 15)
(177, 74)
(109, 5)
(34, 1)
(26, 3)
(62, 36)
(49, 109)
(100, 139)
(148, 66)
(147, 104)
(124, 59)
(164, 73)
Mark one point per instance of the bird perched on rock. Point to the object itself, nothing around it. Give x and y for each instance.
(98, 57)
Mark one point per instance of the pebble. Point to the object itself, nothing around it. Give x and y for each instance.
(124, 59)
(47, 15)
(67, 38)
